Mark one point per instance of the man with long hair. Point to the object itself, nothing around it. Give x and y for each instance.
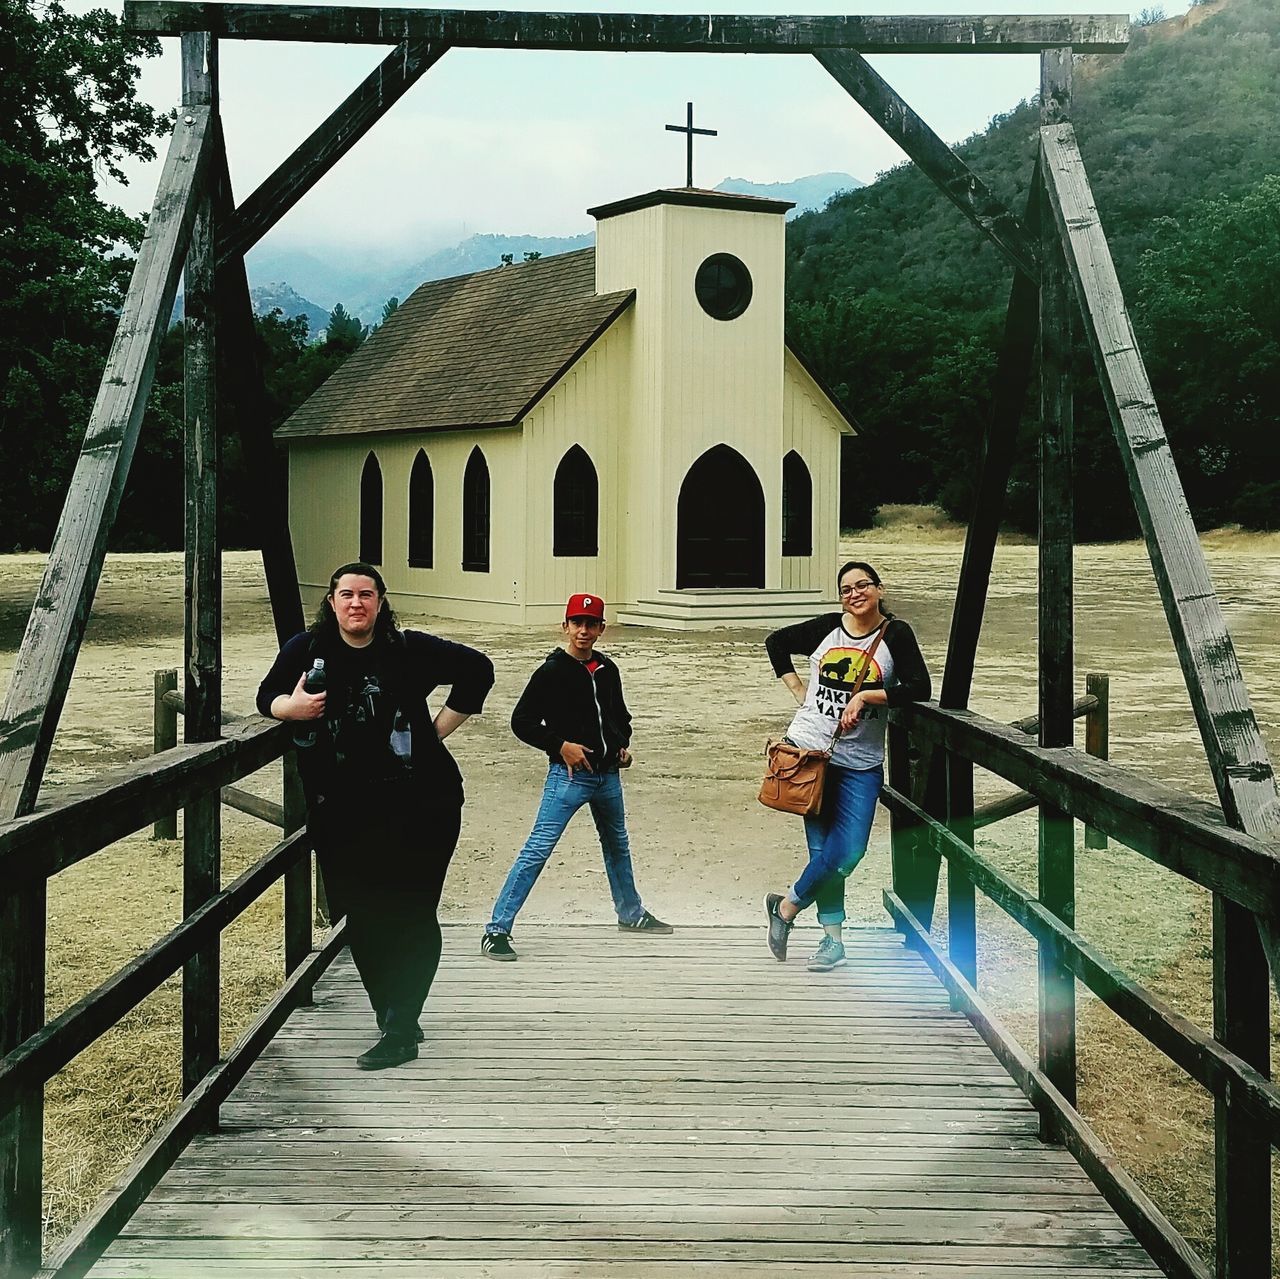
(384, 796)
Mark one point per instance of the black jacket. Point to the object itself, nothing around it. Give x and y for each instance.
(407, 666)
(564, 702)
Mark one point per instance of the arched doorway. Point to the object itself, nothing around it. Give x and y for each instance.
(720, 523)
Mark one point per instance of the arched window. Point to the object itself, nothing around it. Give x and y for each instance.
(475, 514)
(422, 501)
(576, 506)
(371, 511)
(797, 506)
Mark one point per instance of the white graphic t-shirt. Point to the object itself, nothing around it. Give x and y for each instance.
(833, 671)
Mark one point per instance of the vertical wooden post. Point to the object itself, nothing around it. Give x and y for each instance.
(901, 839)
(1242, 1151)
(1057, 1009)
(962, 919)
(22, 986)
(202, 644)
(297, 880)
(164, 736)
(1097, 737)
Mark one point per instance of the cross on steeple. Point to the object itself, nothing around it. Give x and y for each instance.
(690, 130)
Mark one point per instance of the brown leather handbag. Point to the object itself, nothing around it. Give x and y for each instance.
(794, 776)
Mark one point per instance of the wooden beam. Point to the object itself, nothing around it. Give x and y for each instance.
(1009, 396)
(1056, 844)
(242, 394)
(1163, 824)
(402, 68)
(78, 1252)
(1242, 1148)
(962, 919)
(38, 686)
(1153, 1230)
(202, 631)
(933, 157)
(1237, 755)
(265, 810)
(86, 817)
(655, 33)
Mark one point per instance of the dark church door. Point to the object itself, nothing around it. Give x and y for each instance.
(720, 523)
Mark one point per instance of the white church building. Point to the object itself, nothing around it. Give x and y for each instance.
(626, 420)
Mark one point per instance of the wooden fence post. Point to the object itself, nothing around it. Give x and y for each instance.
(901, 838)
(164, 736)
(202, 640)
(1242, 1150)
(1097, 737)
(297, 880)
(962, 918)
(1056, 853)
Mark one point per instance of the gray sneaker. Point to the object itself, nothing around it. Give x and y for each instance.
(779, 929)
(828, 956)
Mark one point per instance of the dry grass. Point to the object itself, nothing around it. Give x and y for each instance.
(108, 1102)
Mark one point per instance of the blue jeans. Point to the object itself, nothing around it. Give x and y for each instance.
(837, 839)
(562, 796)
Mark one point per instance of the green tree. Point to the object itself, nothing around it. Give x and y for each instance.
(68, 108)
(1209, 311)
(344, 332)
(389, 308)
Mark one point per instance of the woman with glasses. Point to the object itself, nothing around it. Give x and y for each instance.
(862, 660)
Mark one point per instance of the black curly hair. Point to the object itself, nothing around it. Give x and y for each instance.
(325, 625)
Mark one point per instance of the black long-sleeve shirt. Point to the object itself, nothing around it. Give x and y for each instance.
(353, 739)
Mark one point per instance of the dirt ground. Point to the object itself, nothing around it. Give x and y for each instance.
(704, 849)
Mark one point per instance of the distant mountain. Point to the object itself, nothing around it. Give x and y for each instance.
(267, 297)
(809, 194)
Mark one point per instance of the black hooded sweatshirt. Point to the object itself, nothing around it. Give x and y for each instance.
(564, 702)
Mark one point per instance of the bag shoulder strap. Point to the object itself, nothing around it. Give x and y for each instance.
(862, 674)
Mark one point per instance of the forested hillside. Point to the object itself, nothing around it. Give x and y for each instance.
(899, 302)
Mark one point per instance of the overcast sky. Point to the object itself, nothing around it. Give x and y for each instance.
(524, 142)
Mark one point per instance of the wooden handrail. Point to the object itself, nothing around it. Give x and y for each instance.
(46, 1052)
(83, 819)
(1180, 1039)
(1186, 835)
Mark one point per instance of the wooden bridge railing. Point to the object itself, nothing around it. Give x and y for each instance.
(82, 821)
(931, 823)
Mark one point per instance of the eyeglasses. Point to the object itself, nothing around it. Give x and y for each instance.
(856, 588)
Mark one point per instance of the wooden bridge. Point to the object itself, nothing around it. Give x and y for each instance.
(622, 1106)
(693, 1106)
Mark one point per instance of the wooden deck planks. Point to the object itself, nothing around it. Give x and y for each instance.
(633, 1107)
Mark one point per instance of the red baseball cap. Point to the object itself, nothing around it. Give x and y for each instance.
(584, 606)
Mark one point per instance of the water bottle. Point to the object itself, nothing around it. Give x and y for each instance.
(402, 739)
(306, 733)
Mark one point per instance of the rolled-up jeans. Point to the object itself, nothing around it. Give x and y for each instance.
(562, 796)
(837, 839)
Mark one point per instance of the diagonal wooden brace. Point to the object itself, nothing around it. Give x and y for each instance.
(402, 68)
(56, 626)
(1237, 754)
(936, 160)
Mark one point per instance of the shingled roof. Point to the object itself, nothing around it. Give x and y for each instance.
(475, 350)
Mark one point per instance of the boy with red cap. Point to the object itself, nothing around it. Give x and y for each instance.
(573, 709)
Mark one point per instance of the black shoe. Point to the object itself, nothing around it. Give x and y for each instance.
(647, 923)
(779, 929)
(390, 1050)
(418, 1036)
(497, 946)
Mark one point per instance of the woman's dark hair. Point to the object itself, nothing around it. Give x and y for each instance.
(865, 567)
(326, 623)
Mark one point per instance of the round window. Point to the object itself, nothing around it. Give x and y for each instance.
(723, 286)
